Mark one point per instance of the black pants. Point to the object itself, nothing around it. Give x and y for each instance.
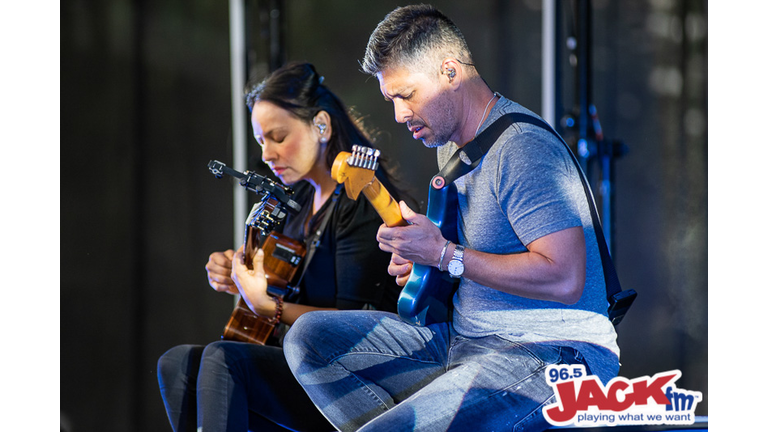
(226, 386)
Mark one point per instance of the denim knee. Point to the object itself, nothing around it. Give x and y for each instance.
(302, 328)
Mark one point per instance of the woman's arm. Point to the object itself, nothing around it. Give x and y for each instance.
(252, 285)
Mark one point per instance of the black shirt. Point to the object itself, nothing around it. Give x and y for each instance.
(347, 270)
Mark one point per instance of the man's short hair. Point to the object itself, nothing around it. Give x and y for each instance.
(415, 37)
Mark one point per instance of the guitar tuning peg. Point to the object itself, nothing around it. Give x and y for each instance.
(356, 155)
(376, 155)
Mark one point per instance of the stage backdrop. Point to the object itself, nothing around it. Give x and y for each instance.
(146, 103)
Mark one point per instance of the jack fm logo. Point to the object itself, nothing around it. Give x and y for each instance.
(584, 401)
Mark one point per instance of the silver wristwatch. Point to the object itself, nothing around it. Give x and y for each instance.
(456, 264)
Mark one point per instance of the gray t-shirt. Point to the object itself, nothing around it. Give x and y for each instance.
(527, 187)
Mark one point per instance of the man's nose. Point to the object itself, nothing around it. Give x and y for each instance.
(402, 112)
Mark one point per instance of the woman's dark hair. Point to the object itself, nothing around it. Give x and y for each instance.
(299, 89)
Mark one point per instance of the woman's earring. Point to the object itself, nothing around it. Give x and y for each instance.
(321, 127)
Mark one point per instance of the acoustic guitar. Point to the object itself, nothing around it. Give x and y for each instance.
(282, 256)
(427, 295)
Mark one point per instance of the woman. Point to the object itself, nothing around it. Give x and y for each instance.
(301, 126)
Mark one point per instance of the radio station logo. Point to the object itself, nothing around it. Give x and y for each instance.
(583, 400)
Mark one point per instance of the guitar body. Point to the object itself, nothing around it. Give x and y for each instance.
(426, 297)
(246, 326)
(282, 256)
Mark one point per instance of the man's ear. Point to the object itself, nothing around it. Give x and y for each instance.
(450, 68)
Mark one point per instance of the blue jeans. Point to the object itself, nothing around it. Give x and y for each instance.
(370, 371)
(234, 386)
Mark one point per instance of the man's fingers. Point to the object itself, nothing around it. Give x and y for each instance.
(397, 259)
(395, 269)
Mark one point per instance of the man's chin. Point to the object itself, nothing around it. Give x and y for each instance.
(431, 142)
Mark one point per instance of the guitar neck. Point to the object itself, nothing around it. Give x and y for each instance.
(384, 204)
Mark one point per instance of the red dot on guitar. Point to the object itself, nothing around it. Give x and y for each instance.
(438, 182)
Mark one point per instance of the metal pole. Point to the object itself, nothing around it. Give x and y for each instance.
(583, 71)
(239, 123)
(548, 8)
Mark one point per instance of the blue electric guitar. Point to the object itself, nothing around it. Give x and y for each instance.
(426, 297)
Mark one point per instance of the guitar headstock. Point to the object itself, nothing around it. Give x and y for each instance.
(264, 217)
(356, 170)
(266, 214)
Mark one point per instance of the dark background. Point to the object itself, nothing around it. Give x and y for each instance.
(146, 86)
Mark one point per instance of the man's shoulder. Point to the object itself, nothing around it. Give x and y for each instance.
(507, 106)
(525, 133)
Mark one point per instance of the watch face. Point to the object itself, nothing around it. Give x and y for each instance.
(455, 267)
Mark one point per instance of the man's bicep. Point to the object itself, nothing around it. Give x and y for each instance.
(566, 252)
(562, 247)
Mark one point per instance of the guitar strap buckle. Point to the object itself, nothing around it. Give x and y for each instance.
(438, 182)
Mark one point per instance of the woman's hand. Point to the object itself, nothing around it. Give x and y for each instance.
(252, 284)
(219, 269)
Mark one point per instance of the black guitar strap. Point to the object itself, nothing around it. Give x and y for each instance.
(314, 241)
(468, 157)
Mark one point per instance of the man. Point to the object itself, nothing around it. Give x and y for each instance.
(531, 293)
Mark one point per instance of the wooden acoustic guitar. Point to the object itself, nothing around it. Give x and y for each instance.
(282, 256)
(427, 295)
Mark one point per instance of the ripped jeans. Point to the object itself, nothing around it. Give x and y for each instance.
(370, 371)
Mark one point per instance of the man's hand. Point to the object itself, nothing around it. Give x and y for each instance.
(419, 242)
(400, 268)
(219, 269)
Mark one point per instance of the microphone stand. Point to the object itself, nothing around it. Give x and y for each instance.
(591, 146)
